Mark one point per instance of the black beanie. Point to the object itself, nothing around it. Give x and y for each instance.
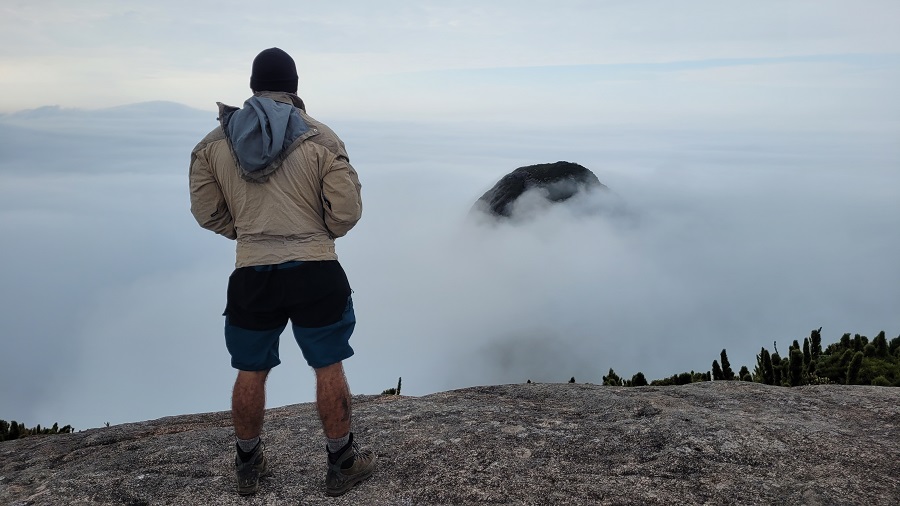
(274, 70)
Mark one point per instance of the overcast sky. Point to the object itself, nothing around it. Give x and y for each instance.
(751, 148)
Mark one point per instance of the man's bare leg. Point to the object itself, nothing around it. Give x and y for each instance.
(347, 463)
(333, 400)
(248, 403)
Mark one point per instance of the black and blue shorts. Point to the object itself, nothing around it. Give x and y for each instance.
(313, 296)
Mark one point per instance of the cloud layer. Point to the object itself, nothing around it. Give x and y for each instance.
(713, 240)
(752, 151)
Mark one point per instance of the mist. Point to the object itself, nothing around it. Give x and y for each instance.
(710, 237)
(695, 250)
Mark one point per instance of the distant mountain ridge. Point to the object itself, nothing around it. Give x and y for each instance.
(152, 106)
(115, 139)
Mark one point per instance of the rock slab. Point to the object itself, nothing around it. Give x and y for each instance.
(557, 182)
(724, 442)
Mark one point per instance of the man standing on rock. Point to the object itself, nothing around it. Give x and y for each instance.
(280, 183)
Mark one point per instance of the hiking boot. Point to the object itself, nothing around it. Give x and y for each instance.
(347, 467)
(249, 472)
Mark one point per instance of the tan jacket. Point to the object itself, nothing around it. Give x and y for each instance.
(307, 195)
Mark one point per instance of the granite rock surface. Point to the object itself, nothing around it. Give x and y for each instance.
(725, 442)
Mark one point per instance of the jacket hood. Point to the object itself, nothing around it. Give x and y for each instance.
(262, 134)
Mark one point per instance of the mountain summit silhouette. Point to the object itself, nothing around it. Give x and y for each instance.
(556, 182)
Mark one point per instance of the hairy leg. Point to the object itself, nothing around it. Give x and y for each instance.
(333, 400)
(248, 403)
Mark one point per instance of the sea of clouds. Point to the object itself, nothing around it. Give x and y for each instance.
(709, 238)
